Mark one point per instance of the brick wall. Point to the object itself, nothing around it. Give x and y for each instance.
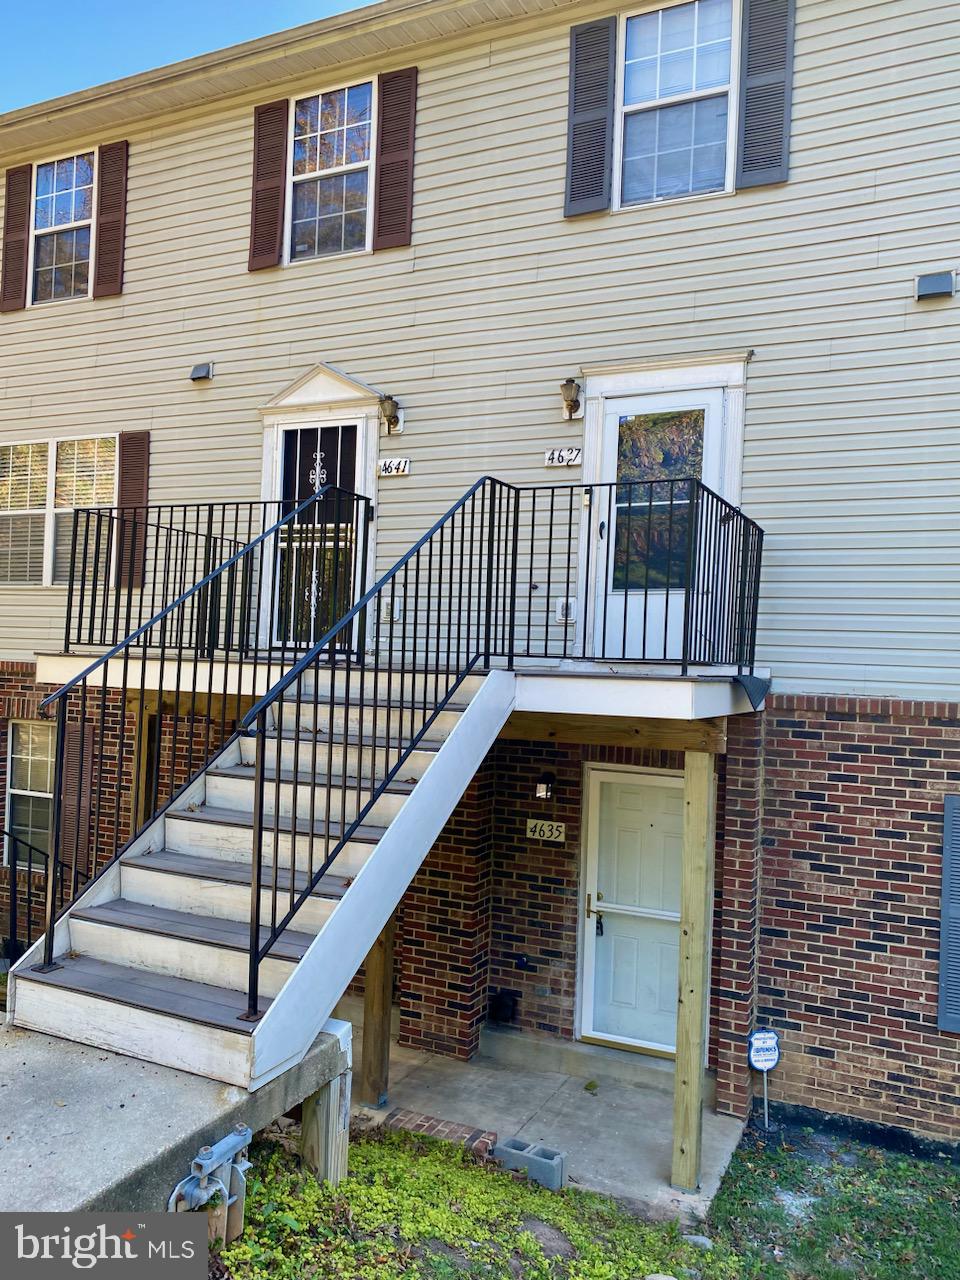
(853, 824)
(492, 911)
(444, 928)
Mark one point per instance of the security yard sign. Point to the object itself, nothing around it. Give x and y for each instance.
(763, 1048)
(763, 1054)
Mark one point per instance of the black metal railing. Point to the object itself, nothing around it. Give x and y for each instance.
(338, 685)
(642, 571)
(144, 718)
(25, 865)
(482, 585)
(121, 565)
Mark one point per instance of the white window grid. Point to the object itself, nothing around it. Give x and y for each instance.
(36, 233)
(14, 728)
(622, 111)
(50, 510)
(292, 179)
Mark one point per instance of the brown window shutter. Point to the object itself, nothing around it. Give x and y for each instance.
(16, 238)
(269, 184)
(396, 125)
(75, 791)
(132, 493)
(111, 219)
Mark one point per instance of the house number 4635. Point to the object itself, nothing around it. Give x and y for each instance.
(553, 832)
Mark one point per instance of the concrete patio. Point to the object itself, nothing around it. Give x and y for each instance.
(618, 1135)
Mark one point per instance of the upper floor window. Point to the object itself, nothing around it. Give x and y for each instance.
(62, 228)
(40, 485)
(330, 172)
(676, 117)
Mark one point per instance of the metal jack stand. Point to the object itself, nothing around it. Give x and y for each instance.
(219, 1170)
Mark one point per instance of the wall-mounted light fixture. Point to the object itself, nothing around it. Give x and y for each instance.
(570, 390)
(390, 412)
(202, 372)
(545, 784)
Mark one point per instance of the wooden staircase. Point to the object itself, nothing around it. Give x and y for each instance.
(152, 960)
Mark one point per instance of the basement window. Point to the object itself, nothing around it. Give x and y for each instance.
(30, 793)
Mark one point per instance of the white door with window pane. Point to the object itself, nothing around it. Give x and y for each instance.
(631, 909)
(652, 447)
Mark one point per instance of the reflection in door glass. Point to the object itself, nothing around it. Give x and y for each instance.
(661, 446)
(657, 454)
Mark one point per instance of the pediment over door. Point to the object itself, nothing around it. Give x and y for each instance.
(323, 387)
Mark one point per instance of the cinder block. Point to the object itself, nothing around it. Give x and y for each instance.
(542, 1164)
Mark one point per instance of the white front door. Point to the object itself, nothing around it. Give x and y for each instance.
(631, 908)
(651, 447)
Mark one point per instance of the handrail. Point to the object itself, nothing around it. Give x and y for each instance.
(653, 571)
(9, 835)
(308, 659)
(182, 599)
(132, 737)
(17, 942)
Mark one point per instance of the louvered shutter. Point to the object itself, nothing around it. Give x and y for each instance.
(16, 238)
(111, 219)
(132, 492)
(396, 125)
(75, 791)
(593, 54)
(949, 1013)
(269, 184)
(766, 87)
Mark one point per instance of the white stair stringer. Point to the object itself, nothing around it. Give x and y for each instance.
(291, 1023)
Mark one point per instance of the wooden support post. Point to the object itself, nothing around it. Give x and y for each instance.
(325, 1130)
(377, 1007)
(696, 887)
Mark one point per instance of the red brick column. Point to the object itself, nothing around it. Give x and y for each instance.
(445, 932)
(736, 948)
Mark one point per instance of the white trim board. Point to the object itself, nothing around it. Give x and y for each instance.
(634, 697)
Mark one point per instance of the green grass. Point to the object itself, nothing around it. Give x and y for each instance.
(809, 1209)
(415, 1207)
(814, 1208)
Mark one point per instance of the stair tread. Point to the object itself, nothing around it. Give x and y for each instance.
(368, 700)
(238, 818)
(156, 992)
(233, 934)
(397, 786)
(354, 739)
(189, 864)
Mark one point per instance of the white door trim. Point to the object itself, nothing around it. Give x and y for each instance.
(367, 422)
(593, 774)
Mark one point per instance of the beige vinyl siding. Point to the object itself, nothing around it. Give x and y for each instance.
(852, 439)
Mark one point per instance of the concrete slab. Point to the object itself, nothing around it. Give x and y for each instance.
(618, 1138)
(81, 1128)
(483, 1097)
